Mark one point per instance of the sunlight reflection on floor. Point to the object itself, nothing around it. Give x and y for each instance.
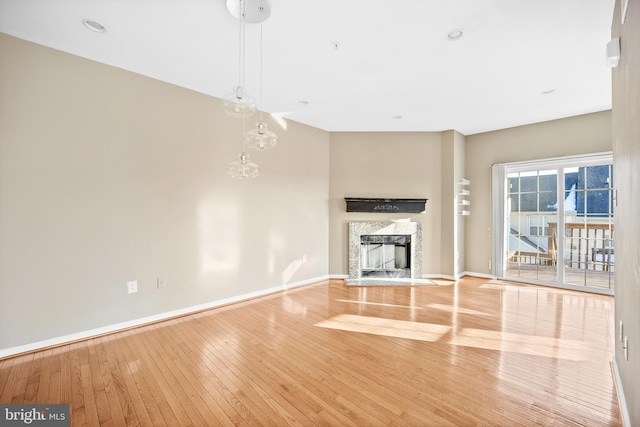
(468, 337)
(520, 343)
(452, 309)
(387, 327)
(379, 304)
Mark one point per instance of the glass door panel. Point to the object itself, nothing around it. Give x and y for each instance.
(588, 216)
(531, 212)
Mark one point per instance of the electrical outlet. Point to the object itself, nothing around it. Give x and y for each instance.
(132, 287)
(625, 347)
(162, 283)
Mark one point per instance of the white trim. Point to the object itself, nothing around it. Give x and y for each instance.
(440, 276)
(11, 351)
(480, 275)
(566, 161)
(428, 276)
(499, 218)
(617, 382)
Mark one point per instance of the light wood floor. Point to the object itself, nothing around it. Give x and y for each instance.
(478, 353)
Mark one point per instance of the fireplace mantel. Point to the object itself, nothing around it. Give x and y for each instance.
(380, 205)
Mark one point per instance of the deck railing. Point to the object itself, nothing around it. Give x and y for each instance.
(587, 246)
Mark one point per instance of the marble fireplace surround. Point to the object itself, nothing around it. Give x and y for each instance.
(359, 228)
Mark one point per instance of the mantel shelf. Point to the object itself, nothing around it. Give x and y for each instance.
(380, 205)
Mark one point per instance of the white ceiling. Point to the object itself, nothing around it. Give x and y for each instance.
(393, 57)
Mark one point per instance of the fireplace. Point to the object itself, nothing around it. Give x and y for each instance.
(385, 249)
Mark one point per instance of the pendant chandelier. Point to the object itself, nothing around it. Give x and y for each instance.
(239, 103)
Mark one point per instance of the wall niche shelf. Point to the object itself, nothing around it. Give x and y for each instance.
(462, 201)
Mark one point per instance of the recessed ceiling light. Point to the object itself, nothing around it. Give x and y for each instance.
(94, 26)
(303, 103)
(455, 34)
(548, 91)
(398, 117)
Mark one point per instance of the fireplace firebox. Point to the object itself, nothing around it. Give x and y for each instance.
(385, 255)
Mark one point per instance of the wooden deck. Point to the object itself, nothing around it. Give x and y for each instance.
(475, 353)
(582, 277)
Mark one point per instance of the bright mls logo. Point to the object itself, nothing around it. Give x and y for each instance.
(35, 415)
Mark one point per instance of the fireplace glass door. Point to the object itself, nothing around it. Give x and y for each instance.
(385, 255)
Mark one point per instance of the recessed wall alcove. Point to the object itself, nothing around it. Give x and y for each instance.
(357, 229)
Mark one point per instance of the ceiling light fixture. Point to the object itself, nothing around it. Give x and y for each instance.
(238, 103)
(243, 168)
(94, 26)
(454, 35)
(261, 138)
(548, 91)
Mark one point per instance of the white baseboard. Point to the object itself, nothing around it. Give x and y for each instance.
(481, 275)
(617, 382)
(438, 276)
(430, 276)
(11, 351)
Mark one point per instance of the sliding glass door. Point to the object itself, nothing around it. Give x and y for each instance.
(558, 223)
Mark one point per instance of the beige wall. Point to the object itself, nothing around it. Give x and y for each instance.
(626, 150)
(107, 176)
(394, 165)
(590, 133)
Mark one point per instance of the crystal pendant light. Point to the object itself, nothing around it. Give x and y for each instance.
(261, 138)
(240, 104)
(243, 168)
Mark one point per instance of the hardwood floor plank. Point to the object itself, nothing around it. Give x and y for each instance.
(5, 374)
(76, 402)
(119, 380)
(17, 380)
(97, 384)
(474, 353)
(113, 404)
(42, 395)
